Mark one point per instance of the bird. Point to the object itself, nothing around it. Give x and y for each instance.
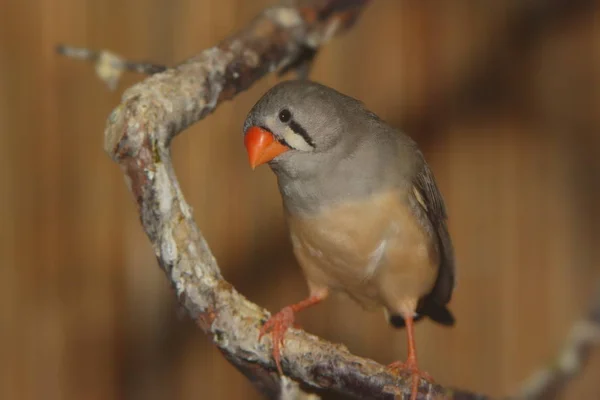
(364, 213)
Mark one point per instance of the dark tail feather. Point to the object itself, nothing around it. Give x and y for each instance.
(437, 313)
(440, 314)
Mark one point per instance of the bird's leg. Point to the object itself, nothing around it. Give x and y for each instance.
(411, 365)
(279, 323)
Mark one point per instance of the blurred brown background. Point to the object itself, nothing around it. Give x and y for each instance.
(503, 97)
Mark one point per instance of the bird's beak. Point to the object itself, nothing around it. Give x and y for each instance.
(261, 146)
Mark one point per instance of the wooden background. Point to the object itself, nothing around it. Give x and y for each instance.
(504, 101)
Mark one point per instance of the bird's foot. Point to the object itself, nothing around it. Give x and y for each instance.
(278, 325)
(410, 367)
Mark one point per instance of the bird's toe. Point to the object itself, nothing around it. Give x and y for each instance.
(277, 326)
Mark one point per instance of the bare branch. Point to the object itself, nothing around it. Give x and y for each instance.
(137, 137)
(550, 382)
(290, 390)
(109, 66)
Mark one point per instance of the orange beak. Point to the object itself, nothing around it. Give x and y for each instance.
(261, 146)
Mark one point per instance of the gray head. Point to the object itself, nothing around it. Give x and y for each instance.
(310, 124)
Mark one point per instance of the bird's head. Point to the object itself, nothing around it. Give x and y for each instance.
(298, 125)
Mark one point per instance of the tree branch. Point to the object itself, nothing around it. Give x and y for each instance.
(138, 135)
(550, 382)
(109, 66)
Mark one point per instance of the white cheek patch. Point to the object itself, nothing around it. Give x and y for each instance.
(292, 138)
(295, 140)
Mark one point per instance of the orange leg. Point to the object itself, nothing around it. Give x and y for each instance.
(279, 323)
(411, 365)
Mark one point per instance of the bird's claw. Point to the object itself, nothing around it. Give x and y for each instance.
(278, 325)
(410, 367)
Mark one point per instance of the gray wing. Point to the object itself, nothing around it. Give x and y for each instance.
(430, 199)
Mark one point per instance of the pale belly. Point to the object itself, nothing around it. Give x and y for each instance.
(377, 254)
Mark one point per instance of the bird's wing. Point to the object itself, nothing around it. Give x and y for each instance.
(430, 200)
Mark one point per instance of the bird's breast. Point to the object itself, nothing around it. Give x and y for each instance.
(348, 245)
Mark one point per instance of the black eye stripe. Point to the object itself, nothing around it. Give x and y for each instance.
(298, 129)
(285, 143)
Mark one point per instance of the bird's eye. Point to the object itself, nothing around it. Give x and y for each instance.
(285, 115)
